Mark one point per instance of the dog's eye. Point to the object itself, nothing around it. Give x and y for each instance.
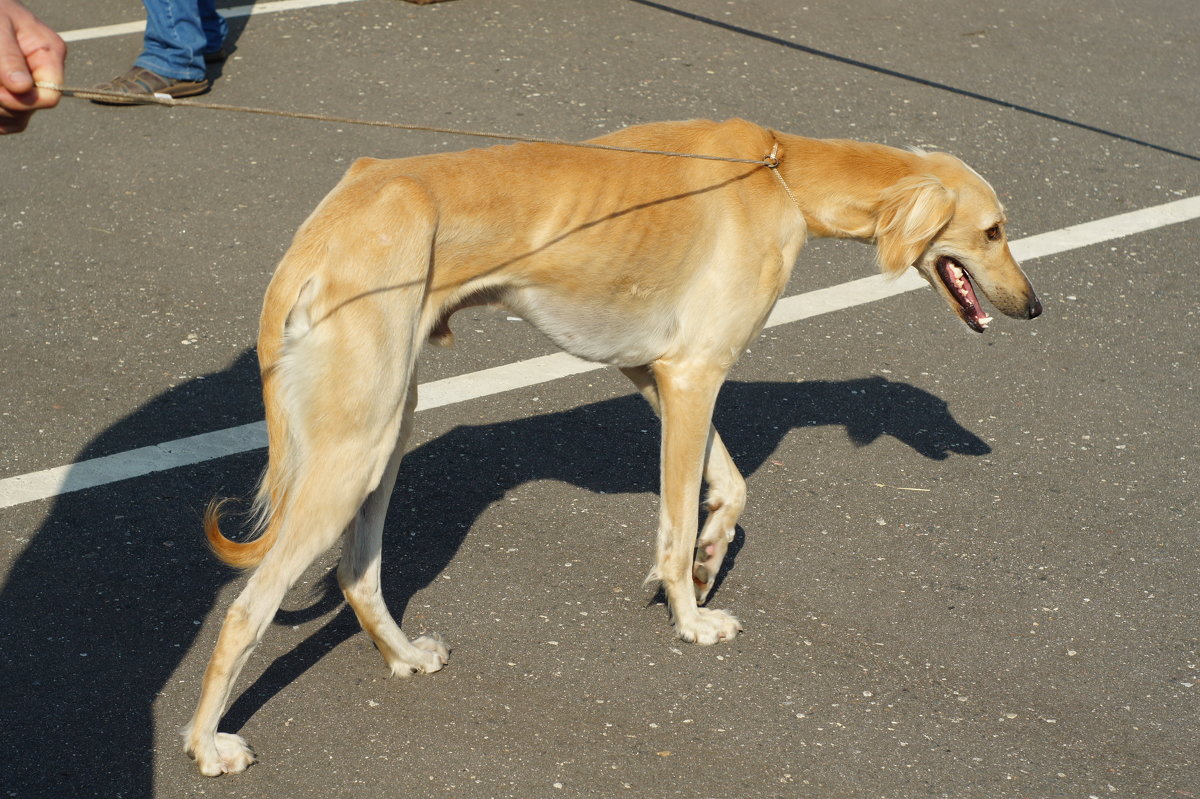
(994, 233)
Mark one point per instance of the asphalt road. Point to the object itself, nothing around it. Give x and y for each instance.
(968, 566)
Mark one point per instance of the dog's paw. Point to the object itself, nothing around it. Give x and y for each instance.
(225, 754)
(430, 655)
(710, 554)
(436, 647)
(705, 568)
(708, 627)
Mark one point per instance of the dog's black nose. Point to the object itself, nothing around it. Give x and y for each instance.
(1034, 309)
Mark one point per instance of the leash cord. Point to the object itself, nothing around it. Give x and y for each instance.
(167, 100)
(771, 162)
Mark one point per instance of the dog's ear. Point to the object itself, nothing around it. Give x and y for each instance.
(910, 214)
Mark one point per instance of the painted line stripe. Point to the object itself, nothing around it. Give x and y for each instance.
(1101, 230)
(534, 371)
(120, 29)
(133, 463)
(499, 379)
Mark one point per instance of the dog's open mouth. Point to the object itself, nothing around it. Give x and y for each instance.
(958, 283)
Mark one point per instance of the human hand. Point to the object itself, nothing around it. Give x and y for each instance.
(29, 51)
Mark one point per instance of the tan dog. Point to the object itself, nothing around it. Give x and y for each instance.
(663, 267)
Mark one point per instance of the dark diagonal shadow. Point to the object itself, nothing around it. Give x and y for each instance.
(446, 484)
(892, 73)
(100, 610)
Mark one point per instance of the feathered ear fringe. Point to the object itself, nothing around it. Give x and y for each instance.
(910, 214)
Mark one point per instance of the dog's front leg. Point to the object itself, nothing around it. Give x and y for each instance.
(726, 495)
(687, 392)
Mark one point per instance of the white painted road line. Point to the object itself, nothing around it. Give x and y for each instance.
(534, 371)
(499, 379)
(1112, 227)
(120, 29)
(134, 463)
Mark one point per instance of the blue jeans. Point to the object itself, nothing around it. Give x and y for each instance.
(178, 34)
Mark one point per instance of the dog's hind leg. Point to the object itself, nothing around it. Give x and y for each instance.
(687, 391)
(338, 342)
(358, 572)
(327, 498)
(345, 464)
(725, 501)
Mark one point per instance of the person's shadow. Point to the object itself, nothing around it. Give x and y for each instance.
(105, 599)
(215, 70)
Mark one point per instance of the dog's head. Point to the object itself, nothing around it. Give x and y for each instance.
(946, 221)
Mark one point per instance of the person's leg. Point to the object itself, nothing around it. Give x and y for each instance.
(181, 35)
(214, 26)
(175, 39)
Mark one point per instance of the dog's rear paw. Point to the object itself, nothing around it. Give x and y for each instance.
(227, 754)
(708, 627)
(430, 655)
(434, 645)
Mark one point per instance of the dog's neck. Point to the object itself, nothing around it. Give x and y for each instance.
(838, 182)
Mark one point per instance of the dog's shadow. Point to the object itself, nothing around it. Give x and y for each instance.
(608, 447)
(106, 596)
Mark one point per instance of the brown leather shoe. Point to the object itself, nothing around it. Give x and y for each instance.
(141, 83)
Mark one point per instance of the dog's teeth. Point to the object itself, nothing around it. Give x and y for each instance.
(984, 321)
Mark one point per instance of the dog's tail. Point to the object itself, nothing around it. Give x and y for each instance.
(273, 488)
(275, 484)
(240, 555)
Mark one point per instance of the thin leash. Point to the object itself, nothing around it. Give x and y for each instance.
(771, 161)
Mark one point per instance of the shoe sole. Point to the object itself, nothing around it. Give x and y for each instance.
(144, 98)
